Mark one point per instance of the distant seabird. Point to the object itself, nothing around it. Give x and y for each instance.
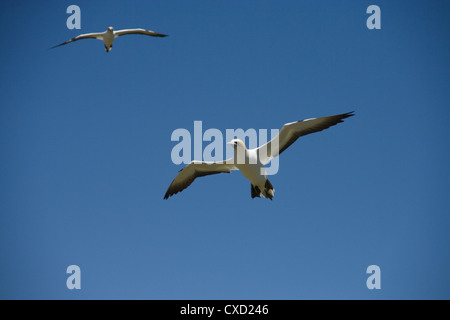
(109, 35)
(255, 159)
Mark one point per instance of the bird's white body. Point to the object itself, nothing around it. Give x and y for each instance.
(252, 169)
(108, 38)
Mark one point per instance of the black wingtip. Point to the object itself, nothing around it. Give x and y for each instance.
(349, 114)
(61, 44)
(167, 195)
(346, 115)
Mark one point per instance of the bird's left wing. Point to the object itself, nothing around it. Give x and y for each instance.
(122, 32)
(196, 169)
(80, 37)
(290, 132)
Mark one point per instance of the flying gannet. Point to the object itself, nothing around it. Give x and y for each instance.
(109, 35)
(252, 167)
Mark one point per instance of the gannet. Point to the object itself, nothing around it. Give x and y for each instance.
(255, 159)
(109, 35)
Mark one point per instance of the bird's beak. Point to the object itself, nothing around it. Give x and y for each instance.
(230, 143)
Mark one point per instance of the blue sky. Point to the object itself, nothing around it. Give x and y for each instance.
(85, 148)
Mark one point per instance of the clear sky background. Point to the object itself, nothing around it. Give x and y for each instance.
(85, 144)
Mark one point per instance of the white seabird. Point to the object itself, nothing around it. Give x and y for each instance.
(109, 35)
(255, 159)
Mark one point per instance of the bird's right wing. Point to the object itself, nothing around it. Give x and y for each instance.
(80, 37)
(122, 32)
(196, 169)
(290, 132)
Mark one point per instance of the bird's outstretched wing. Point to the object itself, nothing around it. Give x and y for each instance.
(122, 32)
(290, 132)
(196, 169)
(80, 37)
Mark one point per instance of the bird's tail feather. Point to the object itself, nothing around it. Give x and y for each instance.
(268, 191)
(256, 193)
